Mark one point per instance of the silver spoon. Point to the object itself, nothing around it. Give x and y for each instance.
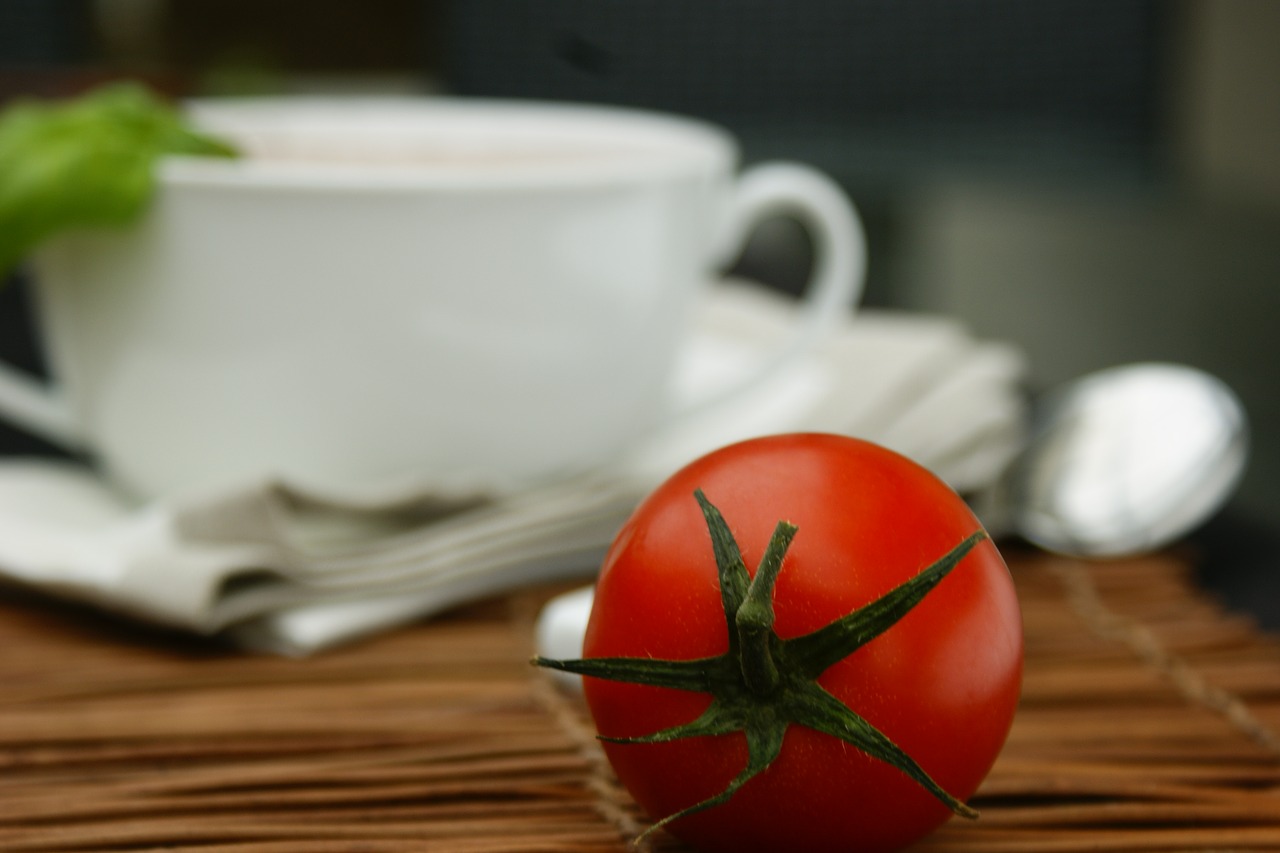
(1123, 461)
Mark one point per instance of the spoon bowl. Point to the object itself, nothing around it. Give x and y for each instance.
(1127, 460)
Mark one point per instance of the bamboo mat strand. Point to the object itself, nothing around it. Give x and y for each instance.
(1148, 722)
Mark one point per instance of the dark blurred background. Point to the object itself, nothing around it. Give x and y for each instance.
(1097, 181)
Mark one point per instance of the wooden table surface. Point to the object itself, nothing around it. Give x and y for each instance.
(1148, 723)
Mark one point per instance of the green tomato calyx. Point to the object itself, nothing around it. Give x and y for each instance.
(764, 683)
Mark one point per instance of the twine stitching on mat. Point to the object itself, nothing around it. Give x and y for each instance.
(609, 797)
(1087, 603)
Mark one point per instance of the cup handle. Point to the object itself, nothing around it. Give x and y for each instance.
(41, 409)
(839, 262)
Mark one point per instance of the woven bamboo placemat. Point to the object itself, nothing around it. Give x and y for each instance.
(1148, 724)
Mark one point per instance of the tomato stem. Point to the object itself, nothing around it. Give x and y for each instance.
(754, 618)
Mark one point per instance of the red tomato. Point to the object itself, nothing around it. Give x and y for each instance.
(942, 682)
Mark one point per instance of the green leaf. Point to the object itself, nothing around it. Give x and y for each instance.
(89, 162)
(699, 675)
(814, 707)
(764, 744)
(720, 718)
(730, 566)
(813, 653)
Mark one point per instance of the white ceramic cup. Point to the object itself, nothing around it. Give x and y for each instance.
(385, 291)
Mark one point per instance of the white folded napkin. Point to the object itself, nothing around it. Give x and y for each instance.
(276, 568)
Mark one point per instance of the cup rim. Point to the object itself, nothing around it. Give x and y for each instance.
(652, 145)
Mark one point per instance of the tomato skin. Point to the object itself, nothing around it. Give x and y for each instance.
(943, 683)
